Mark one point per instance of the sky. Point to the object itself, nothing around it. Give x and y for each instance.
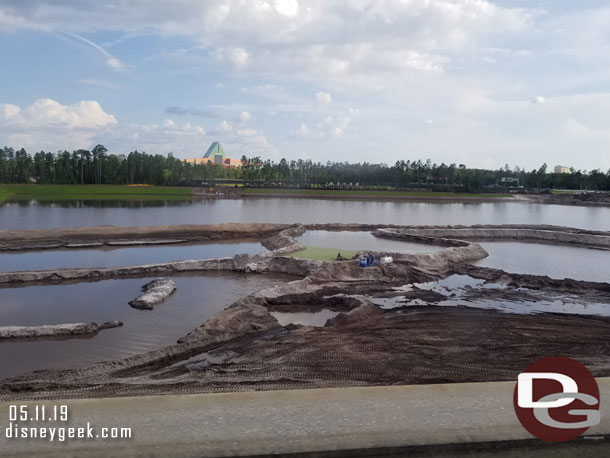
(475, 82)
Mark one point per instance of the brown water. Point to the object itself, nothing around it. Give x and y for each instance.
(115, 257)
(36, 215)
(196, 299)
(360, 240)
(556, 261)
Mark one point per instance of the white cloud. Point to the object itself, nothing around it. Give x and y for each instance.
(477, 68)
(236, 57)
(114, 63)
(330, 127)
(323, 99)
(247, 132)
(48, 124)
(287, 7)
(249, 142)
(225, 126)
(185, 140)
(355, 42)
(302, 131)
(46, 113)
(9, 112)
(245, 116)
(99, 83)
(492, 132)
(336, 125)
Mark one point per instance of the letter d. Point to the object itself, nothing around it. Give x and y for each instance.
(525, 385)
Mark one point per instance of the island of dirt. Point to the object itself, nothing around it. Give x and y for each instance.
(95, 237)
(154, 292)
(54, 330)
(245, 348)
(589, 198)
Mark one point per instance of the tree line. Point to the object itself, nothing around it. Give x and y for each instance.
(98, 166)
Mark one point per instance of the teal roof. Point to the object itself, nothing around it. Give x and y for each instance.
(214, 150)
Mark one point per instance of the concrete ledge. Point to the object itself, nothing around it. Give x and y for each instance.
(369, 421)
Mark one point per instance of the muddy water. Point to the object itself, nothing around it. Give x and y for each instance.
(357, 240)
(463, 290)
(552, 260)
(35, 215)
(115, 257)
(196, 299)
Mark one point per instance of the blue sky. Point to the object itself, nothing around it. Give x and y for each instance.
(458, 81)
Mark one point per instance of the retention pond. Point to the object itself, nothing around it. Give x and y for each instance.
(555, 261)
(116, 257)
(360, 240)
(196, 299)
(69, 213)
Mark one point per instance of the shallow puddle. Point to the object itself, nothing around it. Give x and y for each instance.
(463, 290)
(196, 299)
(306, 318)
(116, 257)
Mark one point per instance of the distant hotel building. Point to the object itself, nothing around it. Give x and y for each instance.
(561, 169)
(215, 155)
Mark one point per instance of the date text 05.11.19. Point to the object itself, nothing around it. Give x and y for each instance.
(38, 413)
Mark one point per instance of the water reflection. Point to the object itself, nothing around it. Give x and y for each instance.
(556, 261)
(115, 257)
(360, 240)
(101, 203)
(36, 215)
(463, 290)
(196, 299)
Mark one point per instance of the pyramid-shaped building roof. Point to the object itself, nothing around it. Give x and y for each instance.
(214, 150)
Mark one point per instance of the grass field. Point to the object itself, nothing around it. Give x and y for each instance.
(4, 195)
(363, 193)
(91, 192)
(563, 191)
(322, 254)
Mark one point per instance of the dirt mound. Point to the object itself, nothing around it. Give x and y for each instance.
(154, 292)
(54, 330)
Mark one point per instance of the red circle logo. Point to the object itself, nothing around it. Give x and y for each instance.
(557, 399)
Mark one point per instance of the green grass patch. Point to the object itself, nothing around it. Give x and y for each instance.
(364, 193)
(91, 192)
(322, 254)
(562, 191)
(4, 195)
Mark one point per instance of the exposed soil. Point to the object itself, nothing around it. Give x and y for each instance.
(421, 345)
(154, 292)
(88, 237)
(584, 199)
(339, 195)
(54, 330)
(244, 347)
